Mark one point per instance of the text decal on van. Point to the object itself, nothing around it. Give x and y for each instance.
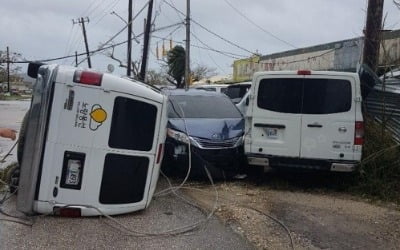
(81, 117)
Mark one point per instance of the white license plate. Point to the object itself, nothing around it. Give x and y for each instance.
(272, 133)
(73, 172)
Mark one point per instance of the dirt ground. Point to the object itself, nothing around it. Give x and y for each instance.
(315, 220)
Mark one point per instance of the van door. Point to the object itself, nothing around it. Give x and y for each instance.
(276, 118)
(328, 120)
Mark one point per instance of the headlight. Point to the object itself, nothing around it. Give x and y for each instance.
(179, 136)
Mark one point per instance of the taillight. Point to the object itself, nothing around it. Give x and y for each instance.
(88, 77)
(359, 133)
(160, 152)
(304, 72)
(72, 212)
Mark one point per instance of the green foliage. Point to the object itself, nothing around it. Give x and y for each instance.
(379, 173)
(14, 69)
(176, 64)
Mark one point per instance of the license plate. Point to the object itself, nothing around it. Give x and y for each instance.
(73, 172)
(272, 133)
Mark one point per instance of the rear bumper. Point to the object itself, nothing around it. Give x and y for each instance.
(301, 163)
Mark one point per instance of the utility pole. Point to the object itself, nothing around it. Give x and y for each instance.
(82, 21)
(372, 36)
(8, 69)
(129, 52)
(143, 66)
(187, 57)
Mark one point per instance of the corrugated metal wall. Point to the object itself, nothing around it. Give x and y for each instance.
(383, 104)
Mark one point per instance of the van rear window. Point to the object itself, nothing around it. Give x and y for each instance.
(133, 124)
(326, 96)
(280, 95)
(305, 96)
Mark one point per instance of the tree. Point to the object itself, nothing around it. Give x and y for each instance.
(14, 69)
(155, 77)
(202, 71)
(176, 65)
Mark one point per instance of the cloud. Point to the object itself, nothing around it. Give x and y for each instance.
(43, 28)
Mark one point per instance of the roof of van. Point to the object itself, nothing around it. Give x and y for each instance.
(313, 72)
(114, 83)
(193, 92)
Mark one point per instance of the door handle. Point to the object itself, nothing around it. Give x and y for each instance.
(342, 129)
(264, 125)
(314, 125)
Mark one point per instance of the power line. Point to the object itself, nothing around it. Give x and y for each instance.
(93, 51)
(225, 53)
(228, 54)
(119, 32)
(258, 26)
(211, 32)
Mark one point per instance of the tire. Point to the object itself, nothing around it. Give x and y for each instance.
(12, 178)
(22, 136)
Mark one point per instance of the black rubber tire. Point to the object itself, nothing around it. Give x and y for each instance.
(12, 178)
(21, 140)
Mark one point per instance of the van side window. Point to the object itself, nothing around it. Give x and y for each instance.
(280, 95)
(133, 124)
(326, 96)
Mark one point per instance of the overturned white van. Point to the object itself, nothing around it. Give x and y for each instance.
(305, 119)
(93, 144)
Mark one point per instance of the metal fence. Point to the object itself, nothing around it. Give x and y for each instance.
(383, 104)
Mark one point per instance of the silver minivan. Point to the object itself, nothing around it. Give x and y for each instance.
(305, 119)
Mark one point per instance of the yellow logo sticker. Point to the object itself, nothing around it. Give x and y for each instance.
(97, 116)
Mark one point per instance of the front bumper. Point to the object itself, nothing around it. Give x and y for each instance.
(228, 159)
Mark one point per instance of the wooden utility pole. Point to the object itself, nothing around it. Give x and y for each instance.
(372, 36)
(129, 52)
(82, 21)
(8, 70)
(143, 66)
(187, 57)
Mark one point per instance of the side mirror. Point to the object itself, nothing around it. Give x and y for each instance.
(33, 69)
(247, 101)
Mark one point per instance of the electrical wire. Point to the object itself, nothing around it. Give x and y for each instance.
(225, 53)
(93, 51)
(106, 11)
(118, 33)
(211, 32)
(9, 151)
(258, 26)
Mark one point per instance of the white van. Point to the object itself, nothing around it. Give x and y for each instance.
(219, 88)
(306, 119)
(93, 144)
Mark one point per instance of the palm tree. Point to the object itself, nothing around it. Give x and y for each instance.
(176, 65)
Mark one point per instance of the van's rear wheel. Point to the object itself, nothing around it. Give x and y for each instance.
(21, 140)
(12, 178)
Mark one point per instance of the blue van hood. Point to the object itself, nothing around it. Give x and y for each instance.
(213, 129)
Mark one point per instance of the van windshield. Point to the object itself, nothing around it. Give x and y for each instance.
(236, 92)
(201, 107)
(306, 96)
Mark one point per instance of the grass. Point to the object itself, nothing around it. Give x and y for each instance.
(13, 97)
(379, 173)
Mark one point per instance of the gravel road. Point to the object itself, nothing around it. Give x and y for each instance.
(315, 221)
